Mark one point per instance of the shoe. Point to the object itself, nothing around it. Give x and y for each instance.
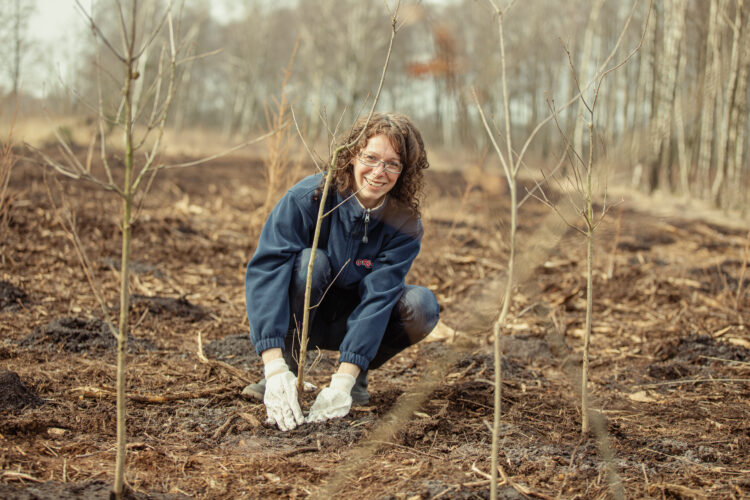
(359, 393)
(255, 391)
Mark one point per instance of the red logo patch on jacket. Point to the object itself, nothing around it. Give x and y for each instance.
(366, 263)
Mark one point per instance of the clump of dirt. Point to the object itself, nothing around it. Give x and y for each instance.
(236, 350)
(14, 395)
(11, 296)
(167, 306)
(701, 348)
(88, 490)
(80, 335)
(483, 365)
(672, 371)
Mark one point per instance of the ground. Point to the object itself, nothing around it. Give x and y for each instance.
(670, 354)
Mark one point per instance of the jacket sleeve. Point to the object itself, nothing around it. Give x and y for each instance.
(379, 291)
(285, 233)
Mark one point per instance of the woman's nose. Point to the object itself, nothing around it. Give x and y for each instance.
(379, 170)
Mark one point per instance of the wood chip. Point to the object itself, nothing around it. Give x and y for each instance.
(251, 419)
(641, 397)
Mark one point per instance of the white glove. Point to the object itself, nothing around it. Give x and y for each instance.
(280, 397)
(334, 400)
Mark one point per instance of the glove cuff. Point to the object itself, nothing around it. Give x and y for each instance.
(342, 382)
(274, 367)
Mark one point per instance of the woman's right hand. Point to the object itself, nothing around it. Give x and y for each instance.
(280, 398)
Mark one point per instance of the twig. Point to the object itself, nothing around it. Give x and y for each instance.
(523, 490)
(682, 491)
(220, 431)
(488, 477)
(233, 371)
(18, 476)
(731, 361)
(409, 449)
(299, 451)
(96, 392)
(69, 226)
(331, 284)
(694, 381)
(304, 142)
(446, 491)
(221, 154)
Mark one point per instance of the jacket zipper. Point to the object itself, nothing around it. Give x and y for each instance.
(367, 223)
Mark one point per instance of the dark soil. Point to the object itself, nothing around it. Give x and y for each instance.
(11, 296)
(167, 307)
(233, 349)
(669, 374)
(79, 335)
(87, 489)
(14, 395)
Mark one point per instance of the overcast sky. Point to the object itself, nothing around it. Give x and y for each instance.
(56, 30)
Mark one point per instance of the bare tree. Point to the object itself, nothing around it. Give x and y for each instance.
(14, 39)
(512, 162)
(738, 122)
(144, 104)
(660, 162)
(643, 102)
(728, 105)
(711, 82)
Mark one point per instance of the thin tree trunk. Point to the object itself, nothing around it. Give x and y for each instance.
(660, 162)
(643, 110)
(726, 109)
(679, 119)
(321, 212)
(738, 127)
(710, 83)
(122, 338)
(589, 283)
(17, 48)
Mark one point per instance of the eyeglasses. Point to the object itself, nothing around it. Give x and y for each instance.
(370, 160)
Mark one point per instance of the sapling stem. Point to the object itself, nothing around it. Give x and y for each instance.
(321, 213)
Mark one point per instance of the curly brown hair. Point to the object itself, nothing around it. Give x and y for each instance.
(405, 140)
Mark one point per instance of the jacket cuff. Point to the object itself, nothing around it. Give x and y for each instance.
(351, 357)
(265, 344)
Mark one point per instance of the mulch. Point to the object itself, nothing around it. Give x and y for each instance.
(670, 356)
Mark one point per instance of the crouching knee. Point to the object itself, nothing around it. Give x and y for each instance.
(321, 268)
(419, 311)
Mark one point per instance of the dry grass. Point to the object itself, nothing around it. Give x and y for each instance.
(7, 162)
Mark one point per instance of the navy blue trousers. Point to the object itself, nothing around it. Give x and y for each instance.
(414, 316)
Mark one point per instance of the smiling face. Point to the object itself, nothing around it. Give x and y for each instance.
(373, 183)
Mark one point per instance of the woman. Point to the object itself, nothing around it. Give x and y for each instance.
(368, 241)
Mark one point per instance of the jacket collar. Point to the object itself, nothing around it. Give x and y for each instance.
(352, 210)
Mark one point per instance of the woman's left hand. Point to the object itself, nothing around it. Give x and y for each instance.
(333, 401)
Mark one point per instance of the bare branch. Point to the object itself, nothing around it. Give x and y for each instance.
(506, 168)
(304, 143)
(68, 172)
(218, 155)
(199, 56)
(98, 33)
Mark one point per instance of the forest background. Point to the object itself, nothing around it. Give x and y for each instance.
(674, 119)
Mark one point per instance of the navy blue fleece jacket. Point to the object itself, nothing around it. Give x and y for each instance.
(376, 269)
